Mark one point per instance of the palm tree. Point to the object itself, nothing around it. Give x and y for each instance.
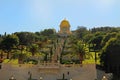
(79, 48)
(21, 55)
(33, 49)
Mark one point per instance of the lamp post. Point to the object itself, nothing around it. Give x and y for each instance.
(104, 78)
(41, 78)
(12, 78)
(63, 76)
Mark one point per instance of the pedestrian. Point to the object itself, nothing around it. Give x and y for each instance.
(68, 73)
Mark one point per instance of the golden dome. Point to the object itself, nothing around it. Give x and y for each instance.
(64, 23)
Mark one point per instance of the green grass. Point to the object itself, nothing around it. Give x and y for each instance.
(13, 61)
(91, 59)
(6, 61)
(88, 61)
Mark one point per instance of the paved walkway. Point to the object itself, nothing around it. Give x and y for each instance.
(87, 72)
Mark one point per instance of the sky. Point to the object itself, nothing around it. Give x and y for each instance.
(37, 15)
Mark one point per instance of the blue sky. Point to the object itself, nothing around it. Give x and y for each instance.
(37, 15)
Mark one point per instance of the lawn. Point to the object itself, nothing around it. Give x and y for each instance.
(13, 61)
(91, 58)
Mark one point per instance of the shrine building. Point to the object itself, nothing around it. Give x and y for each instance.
(64, 28)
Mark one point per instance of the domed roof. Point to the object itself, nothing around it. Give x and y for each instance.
(64, 23)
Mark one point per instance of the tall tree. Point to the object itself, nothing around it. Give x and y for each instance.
(50, 33)
(96, 41)
(110, 56)
(81, 32)
(26, 38)
(79, 48)
(21, 56)
(107, 37)
(33, 49)
(8, 43)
